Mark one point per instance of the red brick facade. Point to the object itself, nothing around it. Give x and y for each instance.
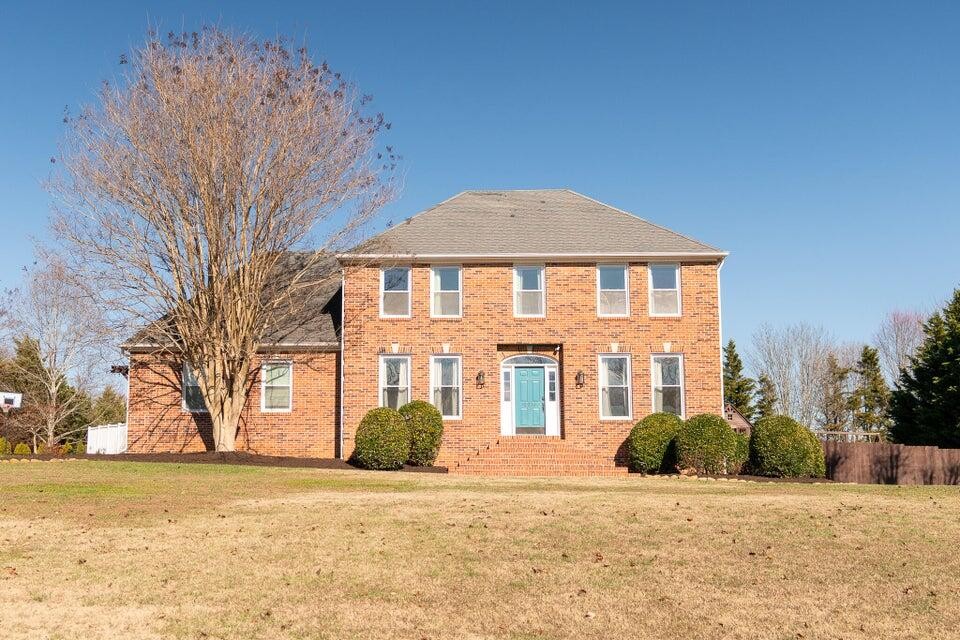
(571, 331)
(157, 421)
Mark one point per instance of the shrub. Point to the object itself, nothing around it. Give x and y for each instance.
(426, 431)
(706, 443)
(21, 450)
(649, 441)
(781, 446)
(382, 441)
(4, 447)
(742, 454)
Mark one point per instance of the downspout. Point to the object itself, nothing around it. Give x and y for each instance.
(720, 333)
(343, 329)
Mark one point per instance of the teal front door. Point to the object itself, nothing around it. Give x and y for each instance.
(529, 414)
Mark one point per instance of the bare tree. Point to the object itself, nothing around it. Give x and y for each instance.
(61, 337)
(794, 359)
(185, 188)
(897, 339)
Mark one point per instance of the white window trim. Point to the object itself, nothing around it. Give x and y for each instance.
(683, 384)
(459, 268)
(543, 290)
(383, 371)
(650, 290)
(434, 382)
(626, 290)
(263, 387)
(409, 291)
(183, 389)
(629, 416)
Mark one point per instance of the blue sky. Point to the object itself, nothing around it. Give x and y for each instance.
(818, 142)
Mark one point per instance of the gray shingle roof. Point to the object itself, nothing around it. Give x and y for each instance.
(546, 222)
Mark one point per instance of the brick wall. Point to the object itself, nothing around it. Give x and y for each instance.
(157, 422)
(488, 332)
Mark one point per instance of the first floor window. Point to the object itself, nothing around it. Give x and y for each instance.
(446, 383)
(615, 386)
(612, 290)
(394, 381)
(395, 292)
(277, 381)
(667, 378)
(664, 290)
(192, 398)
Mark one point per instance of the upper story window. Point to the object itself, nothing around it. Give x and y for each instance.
(276, 392)
(192, 398)
(615, 386)
(613, 298)
(667, 379)
(394, 381)
(446, 292)
(664, 289)
(446, 382)
(528, 292)
(395, 292)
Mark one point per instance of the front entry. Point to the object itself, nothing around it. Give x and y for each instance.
(530, 405)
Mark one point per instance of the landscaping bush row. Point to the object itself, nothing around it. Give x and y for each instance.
(386, 438)
(23, 449)
(777, 446)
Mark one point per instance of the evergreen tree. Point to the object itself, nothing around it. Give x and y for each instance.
(870, 401)
(834, 404)
(925, 406)
(109, 408)
(737, 388)
(766, 398)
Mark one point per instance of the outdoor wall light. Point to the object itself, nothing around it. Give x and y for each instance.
(480, 379)
(581, 379)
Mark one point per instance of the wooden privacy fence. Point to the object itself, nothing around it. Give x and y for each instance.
(883, 463)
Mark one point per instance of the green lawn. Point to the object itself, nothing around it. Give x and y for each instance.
(138, 550)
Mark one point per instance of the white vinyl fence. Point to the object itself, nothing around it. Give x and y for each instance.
(107, 438)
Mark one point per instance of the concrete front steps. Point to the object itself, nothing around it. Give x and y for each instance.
(529, 456)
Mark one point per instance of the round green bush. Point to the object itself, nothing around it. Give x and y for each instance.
(426, 431)
(781, 446)
(382, 441)
(21, 450)
(706, 444)
(649, 441)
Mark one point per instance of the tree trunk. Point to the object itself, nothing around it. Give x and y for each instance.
(229, 398)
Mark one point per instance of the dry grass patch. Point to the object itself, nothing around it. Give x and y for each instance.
(203, 551)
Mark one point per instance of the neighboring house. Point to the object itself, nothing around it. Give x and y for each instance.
(542, 323)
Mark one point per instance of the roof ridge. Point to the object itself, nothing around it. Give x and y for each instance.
(633, 215)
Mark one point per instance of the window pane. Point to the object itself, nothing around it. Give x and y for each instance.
(615, 402)
(613, 278)
(664, 276)
(667, 400)
(395, 372)
(613, 303)
(506, 386)
(616, 371)
(530, 278)
(666, 302)
(666, 371)
(446, 304)
(394, 397)
(397, 279)
(552, 386)
(448, 401)
(530, 303)
(193, 399)
(276, 398)
(277, 374)
(448, 371)
(395, 304)
(446, 279)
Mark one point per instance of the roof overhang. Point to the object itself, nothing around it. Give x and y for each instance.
(280, 347)
(646, 256)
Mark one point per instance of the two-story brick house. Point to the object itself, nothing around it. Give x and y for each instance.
(542, 323)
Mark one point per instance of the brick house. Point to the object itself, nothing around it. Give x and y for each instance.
(542, 323)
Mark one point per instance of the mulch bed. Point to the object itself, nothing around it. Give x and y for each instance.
(235, 457)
